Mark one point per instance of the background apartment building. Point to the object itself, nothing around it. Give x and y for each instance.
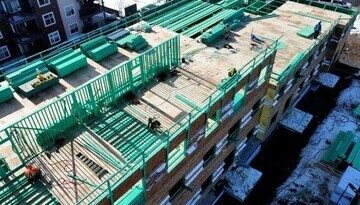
(29, 27)
(70, 16)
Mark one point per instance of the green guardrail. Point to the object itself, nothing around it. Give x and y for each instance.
(339, 9)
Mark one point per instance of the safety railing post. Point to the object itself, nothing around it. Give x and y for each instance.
(111, 197)
(92, 99)
(144, 172)
(111, 86)
(16, 150)
(167, 148)
(77, 107)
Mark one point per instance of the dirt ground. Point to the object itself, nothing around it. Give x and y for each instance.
(351, 52)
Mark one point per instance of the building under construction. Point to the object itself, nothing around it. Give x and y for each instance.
(153, 108)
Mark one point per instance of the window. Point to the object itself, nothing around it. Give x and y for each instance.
(273, 119)
(48, 19)
(287, 103)
(229, 160)
(250, 134)
(176, 156)
(282, 90)
(54, 37)
(212, 122)
(74, 28)
(206, 183)
(262, 76)
(4, 53)
(42, 3)
(234, 129)
(177, 188)
(1, 36)
(69, 10)
(14, 6)
(256, 106)
(239, 98)
(209, 156)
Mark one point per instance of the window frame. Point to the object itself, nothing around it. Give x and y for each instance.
(77, 26)
(73, 9)
(44, 21)
(50, 34)
(210, 155)
(1, 35)
(7, 49)
(42, 5)
(180, 185)
(12, 9)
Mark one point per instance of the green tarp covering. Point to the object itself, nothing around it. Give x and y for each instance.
(5, 93)
(306, 32)
(133, 42)
(66, 62)
(339, 147)
(354, 156)
(98, 48)
(214, 33)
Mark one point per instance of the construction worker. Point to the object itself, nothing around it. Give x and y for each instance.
(32, 173)
(150, 120)
(232, 72)
(155, 125)
(317, 30)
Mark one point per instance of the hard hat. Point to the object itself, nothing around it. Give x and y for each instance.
(33, 170)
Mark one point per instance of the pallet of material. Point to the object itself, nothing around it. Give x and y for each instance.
(214, 33)
(29, 89)
(66, 62)
(25, 73)
(5, 93)
(354, 156)
(339, 147)
(98, 48)
(133, 42)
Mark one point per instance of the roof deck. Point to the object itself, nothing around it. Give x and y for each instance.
(214, 61)
(291, 18)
